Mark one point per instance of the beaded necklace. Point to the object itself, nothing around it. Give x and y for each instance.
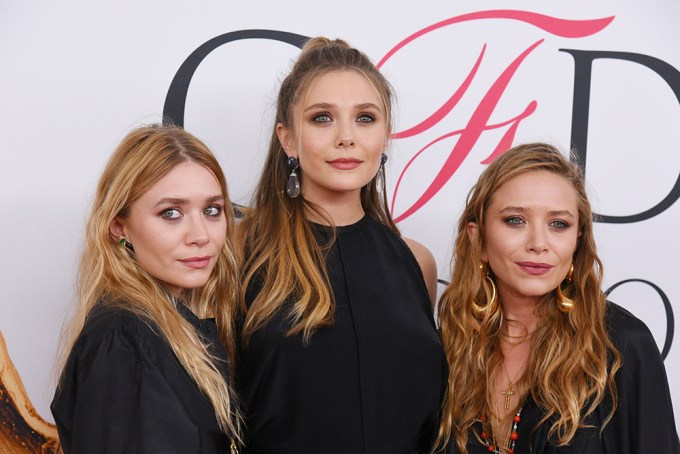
(490, 441)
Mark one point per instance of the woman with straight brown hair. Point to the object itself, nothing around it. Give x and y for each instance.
(540, 361)
(339, 349)
(144, 368)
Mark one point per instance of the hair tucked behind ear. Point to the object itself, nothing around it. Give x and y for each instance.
(572, 362)
(109, 276)
(282, 255)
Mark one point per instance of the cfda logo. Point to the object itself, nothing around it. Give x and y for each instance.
(465, 135)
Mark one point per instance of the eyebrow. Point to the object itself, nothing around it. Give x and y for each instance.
(180, 201)
(328, 105)
(511, 209)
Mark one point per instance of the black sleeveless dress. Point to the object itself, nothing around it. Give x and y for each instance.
(370, 383)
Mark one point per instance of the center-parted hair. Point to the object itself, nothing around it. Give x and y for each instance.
(572, 361)
(109, 275)
(282, 257)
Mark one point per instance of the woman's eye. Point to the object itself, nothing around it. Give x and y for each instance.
(366, 118)
(561, 225)
(213, 210)
(514, 220)
(321, 118)
(171, 213)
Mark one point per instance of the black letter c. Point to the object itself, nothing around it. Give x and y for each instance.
(175, 101)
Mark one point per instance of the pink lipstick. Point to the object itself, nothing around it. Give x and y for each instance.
(345, 163)
(536, 269)
(196, 262)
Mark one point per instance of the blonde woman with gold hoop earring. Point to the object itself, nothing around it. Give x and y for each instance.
(540, 361)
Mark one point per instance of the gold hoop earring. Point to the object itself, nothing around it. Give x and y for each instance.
(565, 304)
(491, 303)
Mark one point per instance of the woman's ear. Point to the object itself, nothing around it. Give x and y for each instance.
(472, 230)
(285, 139)
(117, 229)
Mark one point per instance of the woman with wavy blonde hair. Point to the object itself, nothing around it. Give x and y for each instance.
(540, 361)
(339, 349)
(144, 368)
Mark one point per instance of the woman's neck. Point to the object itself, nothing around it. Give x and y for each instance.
(521, 313)
(345, 210)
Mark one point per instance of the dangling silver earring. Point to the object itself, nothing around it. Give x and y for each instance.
(293, 186)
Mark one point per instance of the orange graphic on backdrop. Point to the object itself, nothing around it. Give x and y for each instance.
(22, 430)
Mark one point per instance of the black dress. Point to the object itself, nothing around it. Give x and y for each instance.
(643, 422)
(370, 383)
(124, 391)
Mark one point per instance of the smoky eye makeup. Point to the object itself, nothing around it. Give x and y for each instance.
(171, 213)
(560, 224)
(321, 117)
(366, 117)
(213, 210)
(513, 220)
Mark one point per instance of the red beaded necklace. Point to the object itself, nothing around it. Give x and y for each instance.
(490, 441)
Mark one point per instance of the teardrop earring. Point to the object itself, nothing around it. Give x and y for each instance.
(380, 177)
(293, 185)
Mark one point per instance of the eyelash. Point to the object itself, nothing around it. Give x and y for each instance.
(564, 225)
(363, 117)
(317, 117)
(219, 209)
(557, 224)
(167, 212)
(371, 117)
(511, 220)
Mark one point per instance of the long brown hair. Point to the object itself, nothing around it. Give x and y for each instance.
(109, 275)
(282, 255)
(572, 361)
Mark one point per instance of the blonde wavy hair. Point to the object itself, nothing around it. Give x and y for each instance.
(108, 275)
(282, 256)
(572, 361)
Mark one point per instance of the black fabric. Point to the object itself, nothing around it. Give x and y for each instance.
(124, 391)
(643, 422)
(370, 383)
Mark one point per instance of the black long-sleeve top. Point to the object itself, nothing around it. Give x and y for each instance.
(643, 422)
(124, 391)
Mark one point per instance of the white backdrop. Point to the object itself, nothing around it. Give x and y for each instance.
(76, 76)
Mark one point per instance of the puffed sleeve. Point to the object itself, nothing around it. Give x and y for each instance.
(113, 399)
(643, 421)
